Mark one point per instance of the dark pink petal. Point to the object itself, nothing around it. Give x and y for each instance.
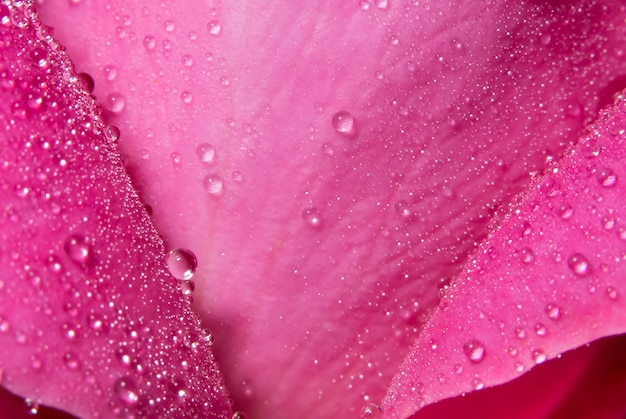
(322, 245)
(90, 318)
(549, 279)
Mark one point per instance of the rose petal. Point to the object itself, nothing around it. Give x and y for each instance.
(321, 250)
(549, 279)
(90, 318)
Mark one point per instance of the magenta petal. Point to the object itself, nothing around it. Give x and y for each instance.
(322, 245)
(549, 279)
(90, 318)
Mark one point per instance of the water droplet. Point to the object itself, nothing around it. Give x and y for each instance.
(579, 264)
(182, 263)
(176, 158)
(312, 217)
(371, 411)
(206, 153)
(540, 329)
(612, 293)
(545, 39)
(538, 356)
(478, 384)
(382, 4)
(187, 60)
(5, 326)
(402, 209)
(519, 367)
(214, 27)
(186, 97)
(77, 249)
(239, 415)
(343, 122)
(39, 57)
(149, 42)
(71, 361)
(237, 176)
(213, 184)
(111, 133)
(553, 311)
(115, 103)
(566, 211)
(207, 337)
(520, 333)
(527, 255)
(126, 391)
(328, 149)
(474, 350)
(31, 407)
(607, 177)
(187, 287)
(169, 26)
(86, 81)
(69, 331)
(110, 72)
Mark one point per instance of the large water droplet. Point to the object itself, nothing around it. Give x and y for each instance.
(579, 264)
(371, 411)
(206, 153)
(126, 391)
(182, 263)
(343, 122)
(382, 4)
(474, 350)
(213, 184)
(115, 103)
(77, 249)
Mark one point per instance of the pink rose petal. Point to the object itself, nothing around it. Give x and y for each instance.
(548, 279)
(360, 149)
(90, 318)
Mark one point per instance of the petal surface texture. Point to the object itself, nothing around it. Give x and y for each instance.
(91, 320)
(333, 164)
(550, 278)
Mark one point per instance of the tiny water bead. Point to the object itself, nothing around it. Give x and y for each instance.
(371, 411)
(527, 255)
(214, 27)
(579, 264)
(126, 391)
(239, 415)
(109, 72)
(538, 356)
(149, 42)
(553, 311)
(312, 217)
(206, 153)
(474, 350)
(213, 184)
(77, 248)
(31, 407)
(186, 97)
(343, 123)
(182, 263)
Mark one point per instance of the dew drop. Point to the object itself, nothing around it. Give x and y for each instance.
(31, 407)
(149, 42)
(213, 184)
(169, 26)
(187, 287)
(126, 391)
(566, 211)
(520, 333)
(206, 153)
(112, 133)
(519, 367)
(176, 158)
(579, 264)
(527, 255)
(71, 361)
(5, 326)
(86, 81)
(115, 103)
(207, 337)
(343, 123)
(607, 178)
(237, 176)
(186, 97)
(328, 149)
(187, 60)
(553, 311)
(109, 72)
(478, 384)
(214, 27)
(612, 293)
(371, 411)
(538, 356)
(382, 4)
(474, 350)
(540, 329)
(77, 248)
(182, 263)
(312, 217)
